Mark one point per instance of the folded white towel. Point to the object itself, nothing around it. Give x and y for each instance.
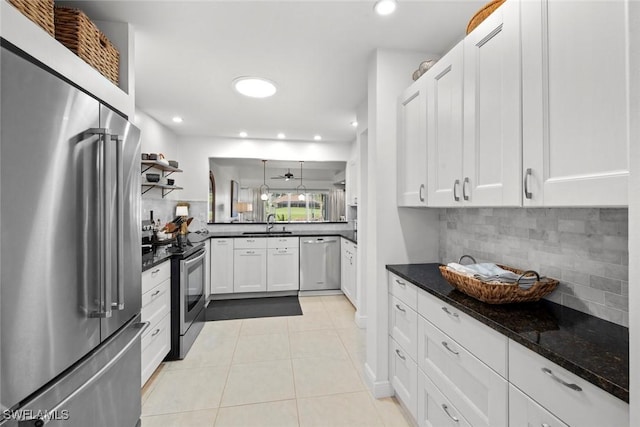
(489, 272)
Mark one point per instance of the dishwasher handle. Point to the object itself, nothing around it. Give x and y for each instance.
(319, 241)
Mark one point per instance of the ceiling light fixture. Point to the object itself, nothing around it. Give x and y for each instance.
(317, 138)
(301, 195)
(354, 124)
(177, 119)
(281, 135)
(254, 87)
(385, 7)
(264, 188)
(243, 134)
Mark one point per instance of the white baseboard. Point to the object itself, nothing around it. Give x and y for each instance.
(361, 321)
(379, 389)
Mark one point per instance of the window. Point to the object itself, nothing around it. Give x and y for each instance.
(288, 208)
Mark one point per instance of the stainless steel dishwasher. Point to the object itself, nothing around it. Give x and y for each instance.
(319, 263)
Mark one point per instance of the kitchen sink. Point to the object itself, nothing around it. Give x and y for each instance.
(267, 233)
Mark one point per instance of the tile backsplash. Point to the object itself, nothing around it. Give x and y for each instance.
(586, 249)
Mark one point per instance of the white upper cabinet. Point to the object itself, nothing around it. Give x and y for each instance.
(444, 129)
(412, 145)
(575, 103)
(492, 149)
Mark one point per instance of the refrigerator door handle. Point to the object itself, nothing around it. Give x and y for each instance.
(119, 304)
(104, 187)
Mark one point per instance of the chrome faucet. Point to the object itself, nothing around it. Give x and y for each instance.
(271, 218)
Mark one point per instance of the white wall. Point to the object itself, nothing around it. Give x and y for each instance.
(194, 153)
(634, 214)
(393, 236)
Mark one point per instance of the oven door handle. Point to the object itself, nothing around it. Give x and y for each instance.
(194, 260)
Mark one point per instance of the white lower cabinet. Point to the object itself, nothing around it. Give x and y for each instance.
(570, 398)
(403, 323)
(479, 393)
(434, 410)
(249, 270)
(523, 411)
(156, 309)
(283, 271)
(403, 373)
(348, 276)
(221, 266)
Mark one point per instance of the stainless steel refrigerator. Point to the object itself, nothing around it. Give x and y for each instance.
(70, 260)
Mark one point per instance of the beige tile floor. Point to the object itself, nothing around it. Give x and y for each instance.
(277, 371)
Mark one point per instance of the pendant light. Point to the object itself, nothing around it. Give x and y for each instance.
(301, 196)
(264, 188)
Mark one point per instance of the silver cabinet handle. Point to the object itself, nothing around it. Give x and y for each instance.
(527, 193)
(156, 332)
(400, 355)
(446, 411)
(446, 310)
(401, 283)
(156, 271)
(155, 293)
(561, 381)
(455, 192)
(119, 303)
(420, 192)
(400, 308)
(446, 345)
(544, 425)
(464, 188)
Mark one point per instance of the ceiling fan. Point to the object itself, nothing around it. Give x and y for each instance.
(287, 176)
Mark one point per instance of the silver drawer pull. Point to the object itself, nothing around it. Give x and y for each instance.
(400, 308)
(446, 411)
(155, 293)
(156, 332)
(446, 345)
(401, 283)
(156, 271)
(544, 425)
(400, 355)
(561, 381)
(446, 310)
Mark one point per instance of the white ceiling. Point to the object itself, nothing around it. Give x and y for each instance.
(188, 52)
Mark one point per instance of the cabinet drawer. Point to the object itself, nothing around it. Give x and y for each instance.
(483, 342)
(434, 410)
(283, 242)
(403, 373)
(403, 290)
(222, 242)
(155, 275)
(476, 390)
(156, 343)
(403, 325)
(525, 412)
(575, 401)
(250, 243)
(156, 303)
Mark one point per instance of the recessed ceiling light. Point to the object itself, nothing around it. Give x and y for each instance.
(354, 124)
(317, 138)
(385, 7)
(177, 119)
(254, 87)
(281, 135)
(243, 134)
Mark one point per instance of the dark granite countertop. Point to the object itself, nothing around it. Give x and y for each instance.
(347, 234)
(163, 253)
(592, 348)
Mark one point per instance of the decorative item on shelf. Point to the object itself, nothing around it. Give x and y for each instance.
(171, 181)
(173, 163)
(153, 177)
(74, 29)
(264, 188)
(483, 13)
(500, 293)
(162, 159)
(144, 156)
(301, 189)
(38, 11)
(423, 68)
(153, 156)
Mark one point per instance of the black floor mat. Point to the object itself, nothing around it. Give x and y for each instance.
(253, 307)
